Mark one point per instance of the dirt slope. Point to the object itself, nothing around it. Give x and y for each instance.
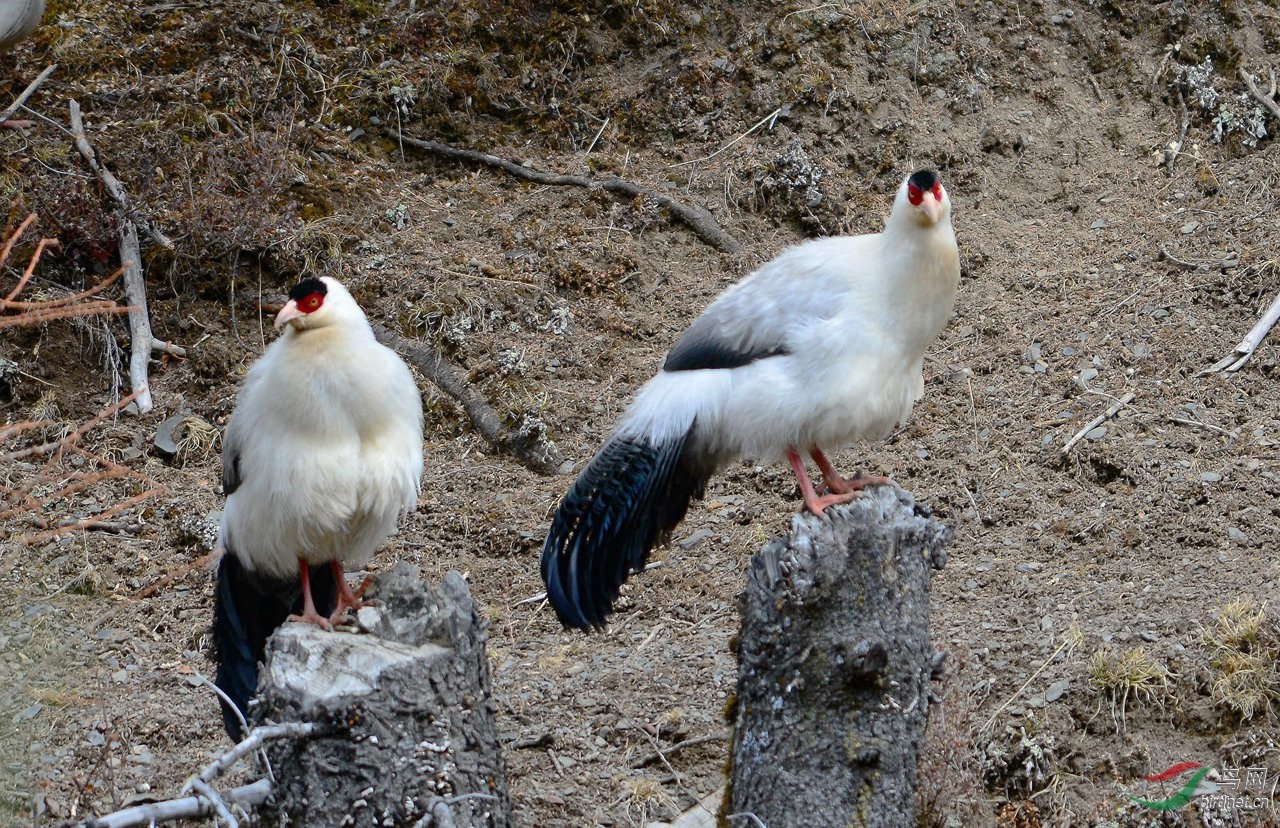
(1098, 262)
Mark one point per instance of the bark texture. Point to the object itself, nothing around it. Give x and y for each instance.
(835, 665)
(410, 737)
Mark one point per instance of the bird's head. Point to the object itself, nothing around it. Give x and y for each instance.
(924, 198)
(315, 303)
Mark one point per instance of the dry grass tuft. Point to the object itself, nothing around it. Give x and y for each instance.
(645, 800)
(198, 441)
(1128, 676)
(1245, 645)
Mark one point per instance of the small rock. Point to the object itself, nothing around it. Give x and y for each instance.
(695, 539)
(27, 714)
(165, 441)
(1030, 566)
(1056, 690)
(1099, 224)
(1236, 535)
(1190, 227)
(1096, 433)
(1210, 477)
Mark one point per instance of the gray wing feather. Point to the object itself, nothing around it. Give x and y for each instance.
(759, 317)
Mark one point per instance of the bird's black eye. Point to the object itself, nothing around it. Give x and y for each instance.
(311, 302)
(914, 194)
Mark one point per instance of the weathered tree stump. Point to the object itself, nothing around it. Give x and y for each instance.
(835, 665)
(409, 731)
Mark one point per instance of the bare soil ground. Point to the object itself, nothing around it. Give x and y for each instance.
(1084, 597)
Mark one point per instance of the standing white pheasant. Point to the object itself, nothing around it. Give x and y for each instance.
(819, 348)
(322, 456)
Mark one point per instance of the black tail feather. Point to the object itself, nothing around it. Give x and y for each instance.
(247, 609)
(626, 501)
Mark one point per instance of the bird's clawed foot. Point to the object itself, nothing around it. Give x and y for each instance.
(855, 484)
(312, 617)
(845, 485)
(309, 614)
(843, 489)
(817, 503)
(348, 599)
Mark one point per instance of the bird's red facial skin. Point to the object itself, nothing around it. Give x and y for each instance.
(310, 303)
(937, 191)
(915, 195)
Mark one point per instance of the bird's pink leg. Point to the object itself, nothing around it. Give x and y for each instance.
(347, 598)
(844, 485)
(309, 614)
(812, 501)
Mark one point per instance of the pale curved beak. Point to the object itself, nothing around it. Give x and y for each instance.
(287, 314)
(931, 208)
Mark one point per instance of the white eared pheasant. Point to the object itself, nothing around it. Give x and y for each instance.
(819, 348)
(321, 457)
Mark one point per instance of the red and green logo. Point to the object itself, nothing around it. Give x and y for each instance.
(1184, 795)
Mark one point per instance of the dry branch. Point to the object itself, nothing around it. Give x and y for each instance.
(34, 491)
(1269, 99)
(1236, 360)
(1099, 420)
(135, 288)
(190, 807)
(533, 449)
(27, 93)
(696, 218)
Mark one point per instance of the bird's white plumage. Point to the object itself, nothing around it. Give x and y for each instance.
(819, 348)
(18, 18)
(854, 315)
(324, 448)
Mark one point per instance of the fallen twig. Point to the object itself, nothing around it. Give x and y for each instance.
(113, 185)
(1099, 420)
(168, 348)
(1268, 100)
(1202, 424)
(189, 807)
(135, 288)
(697, 219)
(1243, 351)
(1072, 640)
(27, 93)
(204, 789)
(534, 450)
(1182, 263)
(769, 119)
(162, 582)
(256, 739)
(676, 748)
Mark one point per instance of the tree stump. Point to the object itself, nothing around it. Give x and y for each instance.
(408, 723)
(835, 665)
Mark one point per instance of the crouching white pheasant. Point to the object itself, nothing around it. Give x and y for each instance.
(819, 348)
(321, 457)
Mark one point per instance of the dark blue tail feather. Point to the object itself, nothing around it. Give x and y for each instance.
(631, 495)
(247, 609)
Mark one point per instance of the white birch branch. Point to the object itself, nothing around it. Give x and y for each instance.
(189, 807)
(135, 288)
(1236, 360)
(1099, 420)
